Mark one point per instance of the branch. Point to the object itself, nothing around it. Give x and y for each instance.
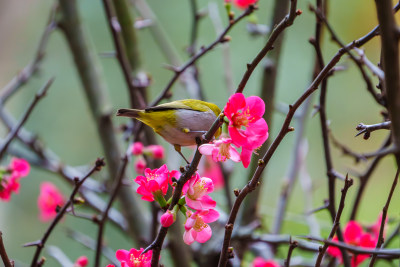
(347, 184)
(220, 39)
(121, 51)
(41, 243)
(384, 214)
(368, 129)
(7, 262)
(373, 68)
(392, 253)
(88, 242)
(390, 58)
(364, 178)
(13, 133)
(89, 70)
(292, 246)
(104, 215)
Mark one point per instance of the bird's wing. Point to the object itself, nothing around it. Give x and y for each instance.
(168, 106)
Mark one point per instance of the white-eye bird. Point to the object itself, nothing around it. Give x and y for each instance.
(179, 122)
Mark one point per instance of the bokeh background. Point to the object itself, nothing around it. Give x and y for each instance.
(63, 122)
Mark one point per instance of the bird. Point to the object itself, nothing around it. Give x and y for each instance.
(179, 122)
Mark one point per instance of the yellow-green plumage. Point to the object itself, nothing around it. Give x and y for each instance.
(178, 122)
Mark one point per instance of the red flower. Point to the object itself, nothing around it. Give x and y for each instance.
(260, 262)
(244, 3)
(154, 182)
(354, 235)
(49, 199)
(133, 258)
(82, 261)
(247, 128)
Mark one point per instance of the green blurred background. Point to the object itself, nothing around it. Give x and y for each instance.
(62, 120)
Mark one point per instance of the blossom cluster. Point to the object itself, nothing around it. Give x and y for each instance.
(10, 176)
(133, 258)
(355, 235)
(139, 150)
(247, 129)
(196, 204)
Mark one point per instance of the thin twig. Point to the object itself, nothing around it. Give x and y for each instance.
(41, 242)
(89, 242)
(348, 182)
(13, 133)
(104, 215)
(292, 246)
(179, 70)
(126, 67)
(374, 69)
(392, 253)
(364, 178)
(378, 98)
(368, 129)
(384, 215)
(7, 262)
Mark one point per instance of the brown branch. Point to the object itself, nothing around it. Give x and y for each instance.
(115, 28)
(286, 22)
(104, 215)
(384, 215)
(13, 133)
(292, 246)
(347, 184)
(364, 178)
(90, 243)
(267, 92)
(156, 245)
(264, 161)
(391, 253)
(7, 262)
(368, 129)
(378, 98)
(390, 65)
(179, 70)
(41, 243)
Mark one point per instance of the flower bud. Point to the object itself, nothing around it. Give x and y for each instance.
(156, 151)
(140, 165)
(137, 148)
(168, 218)
(82, 261)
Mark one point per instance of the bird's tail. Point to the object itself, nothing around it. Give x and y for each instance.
(131, 113)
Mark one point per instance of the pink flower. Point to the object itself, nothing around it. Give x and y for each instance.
(196, 190)
(8, 185)
(168, 218)
(49, 199)
(82, 261)
(220, 150)
(19, 167)
(154, 182)
(247, 128)
(140, 165)
(260, 262)
(354, 235)
(156, 151)
(137, 148)
(196, 227)
(244, 3)
(132, 258)
(210, 168)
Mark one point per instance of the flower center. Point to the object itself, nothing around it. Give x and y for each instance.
(136, 261)
(240, 119)
(224, 150)
(199, 225)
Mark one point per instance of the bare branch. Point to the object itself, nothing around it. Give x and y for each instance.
(7, 262)
(13, 133)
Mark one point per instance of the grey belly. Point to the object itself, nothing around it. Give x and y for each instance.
(200, 122)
